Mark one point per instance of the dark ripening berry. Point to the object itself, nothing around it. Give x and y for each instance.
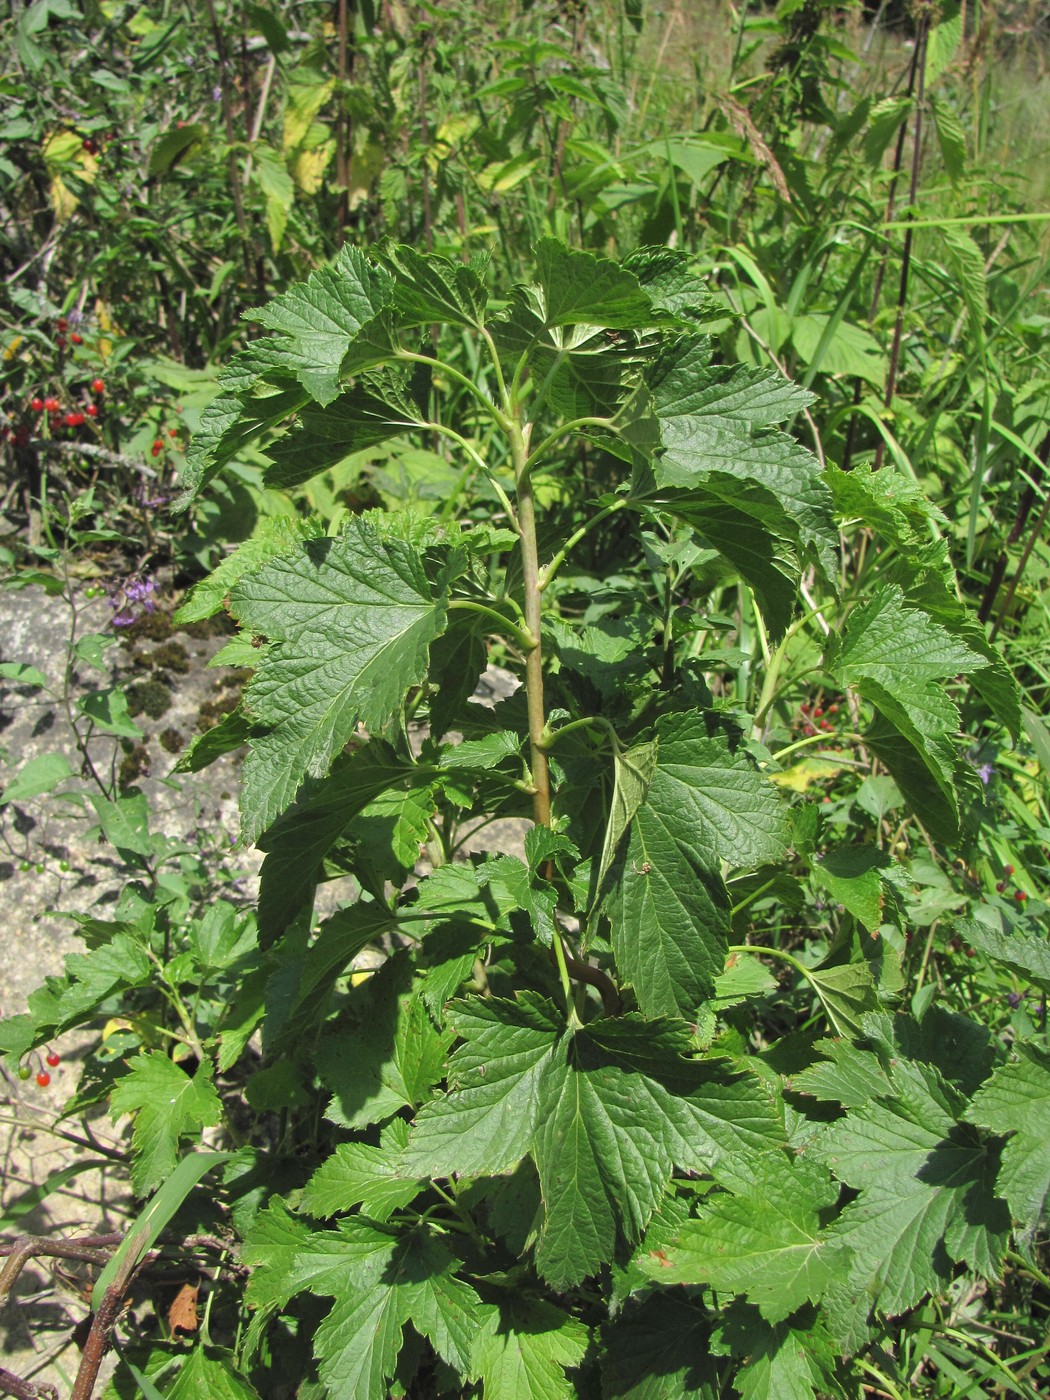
(62, 324)
(98, 386)
(1000, 886)
(53, 1059)
(1008, 870)
(43, 1079)
(37, 405)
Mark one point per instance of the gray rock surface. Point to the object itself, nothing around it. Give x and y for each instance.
(51, 861)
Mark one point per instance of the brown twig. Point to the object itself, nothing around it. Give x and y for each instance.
(1024, 510)
(36, 1247)
(913, 194)
(10, 1384)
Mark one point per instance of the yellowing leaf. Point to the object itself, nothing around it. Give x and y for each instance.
(800, 777)
(308, 168)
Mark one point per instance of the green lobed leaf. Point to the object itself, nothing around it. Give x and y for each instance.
(851, 876)
(427, 288)
(632, 772)
(214, 1376)
(323, 436)
(1016, 1102)
(898, 658)
(783, 1362)
(926, 1192)
(485, 1123)
(256, 391)
(394, 1056)
(707, 426)
(357, 1174)
(381, 1280)
(618, 1108)
(1027, 954)
(659, 1349)
(273, 536)
(338, 941)
(848, 1075)
(168, 1105)
(525, 1348)
(297, 843)
(321, 317)
(606, 1112)
(349, 622)
(579, 288)
(764, 1241)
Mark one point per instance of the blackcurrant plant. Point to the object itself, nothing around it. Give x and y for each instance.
(643, 1107)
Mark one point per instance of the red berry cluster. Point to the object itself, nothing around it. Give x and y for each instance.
(159, 445)
(1002, 885)
(43, 1077)
(816, 717)
(72, 417)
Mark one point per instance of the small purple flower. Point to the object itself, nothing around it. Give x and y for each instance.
(1015, 999)
(75, 317)
(985, 772)
(216, 93)
(124, 597)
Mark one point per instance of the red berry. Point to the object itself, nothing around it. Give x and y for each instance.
(1000, 886)
(98, 386)
(77, 339)
(817, 712)
(825, 724)
(92, 410)
(37, 405)
(1008, 870)
(53, 1059)
(833, 709)
(1020, 896)
(173, 432)
(91, 147)
(52, 405)
(73, 420)
(43, 1079)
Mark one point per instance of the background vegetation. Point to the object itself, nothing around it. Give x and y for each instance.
(862, 194)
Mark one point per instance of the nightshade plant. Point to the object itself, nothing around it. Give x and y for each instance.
(577, 1140)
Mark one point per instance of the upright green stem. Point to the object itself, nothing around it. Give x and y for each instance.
(530, 565)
